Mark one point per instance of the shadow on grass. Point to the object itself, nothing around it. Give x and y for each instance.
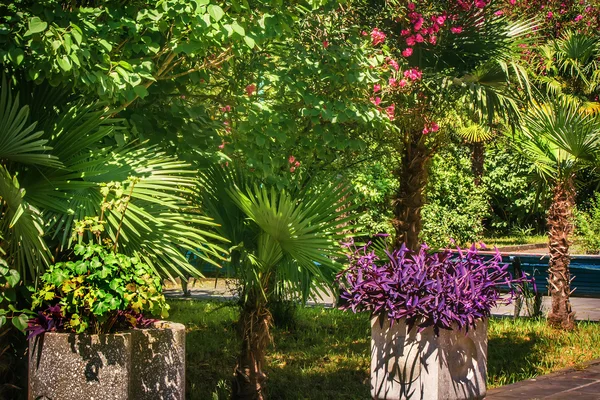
(325, 355)
(513, 358)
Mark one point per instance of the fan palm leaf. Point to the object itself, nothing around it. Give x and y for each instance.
(73, 158)
(295, 237)
(560, 137)
(22, 230)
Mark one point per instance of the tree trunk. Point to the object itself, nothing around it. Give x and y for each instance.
(409, 200)
(560, 217)
(249, 378)
(477, 160)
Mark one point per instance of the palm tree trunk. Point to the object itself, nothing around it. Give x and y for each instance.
(560, 216)
(409, 200)
(477, 160)
(249, 378)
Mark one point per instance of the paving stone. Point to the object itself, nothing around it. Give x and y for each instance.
(568, 384)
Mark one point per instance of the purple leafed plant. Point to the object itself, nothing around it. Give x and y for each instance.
(53, 320)
(444, 290)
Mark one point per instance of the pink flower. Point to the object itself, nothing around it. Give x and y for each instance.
(325, 43)
(550, 14)
(390, 111)
(297, 164)
(376, 88)
(291, 159)
(404, 32)
(578, 18)
(407, 52)
(292, 169)
(480, 4)
(425, 131)
(402, 83)
(499, 13)
(392, 82)
(222, 145)
(434, 127)
(456, 29)
(394, 64)
(376, 100)
(419, 38)
(411, 6)
(377, 36)
(512, 2)
(440, 20)
(433, 39)
(413, 74)
(364, 33)
(250, 89)
(410, 41)
(418, 24)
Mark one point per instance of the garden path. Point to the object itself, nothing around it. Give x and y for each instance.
(573, 384)
(585, 308)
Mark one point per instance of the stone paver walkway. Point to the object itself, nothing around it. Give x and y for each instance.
(571, 384)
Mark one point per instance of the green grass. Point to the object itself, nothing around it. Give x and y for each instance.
(326, 354)
(515, 240)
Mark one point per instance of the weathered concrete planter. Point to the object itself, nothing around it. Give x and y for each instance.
(411, 365)
(138, 364)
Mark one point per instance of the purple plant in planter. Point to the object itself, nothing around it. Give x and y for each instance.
(444, 290)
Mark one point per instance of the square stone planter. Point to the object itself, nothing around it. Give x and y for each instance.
(412, 365)
(138, 364)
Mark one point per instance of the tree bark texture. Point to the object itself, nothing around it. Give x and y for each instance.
(560, 226)
(409, 199)
(477, 160)
(249, 378)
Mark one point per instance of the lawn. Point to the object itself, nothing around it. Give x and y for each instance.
(515, 240)
(325, 354)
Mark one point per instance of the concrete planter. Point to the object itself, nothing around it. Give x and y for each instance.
(138, 364)
(411, 365)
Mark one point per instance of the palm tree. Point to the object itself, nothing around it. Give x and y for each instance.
(61, 156)
(570, 68)
(284, 243)
(560, 138)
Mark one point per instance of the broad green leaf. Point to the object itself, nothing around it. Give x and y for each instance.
(237, 28)
(20, 322)
(105, 44)
(16, 55)
(64, 63)
(215, 12)
(36, 25)
(141, 91)
(13, 278)
(249, 42)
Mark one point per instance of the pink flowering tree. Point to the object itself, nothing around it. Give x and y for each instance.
(555, 17)
(433, 60)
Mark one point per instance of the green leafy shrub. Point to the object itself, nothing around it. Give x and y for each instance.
(455, 207)
(9, 281)
(374, 184)
(516, 203)
(100, 292)
(13, 322)
(587, 226)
